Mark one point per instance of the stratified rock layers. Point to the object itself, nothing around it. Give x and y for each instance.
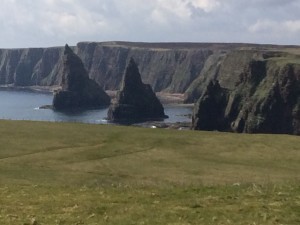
(256, 92)
(77, 90)
(259, 83)
(135, 100)
(169, 67)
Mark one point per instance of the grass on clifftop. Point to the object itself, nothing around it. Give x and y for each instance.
(66, 173)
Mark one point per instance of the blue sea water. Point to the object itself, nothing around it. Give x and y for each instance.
(24, 105)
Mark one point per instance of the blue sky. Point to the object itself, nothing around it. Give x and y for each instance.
(43, 23)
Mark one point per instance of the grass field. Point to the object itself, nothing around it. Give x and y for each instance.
(66, 173)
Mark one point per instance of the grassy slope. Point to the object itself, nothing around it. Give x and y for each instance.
(61, 173)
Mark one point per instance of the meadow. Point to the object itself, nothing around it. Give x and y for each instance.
(71, 173)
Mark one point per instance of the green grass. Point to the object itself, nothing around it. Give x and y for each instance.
(288, 59)
(66, 173)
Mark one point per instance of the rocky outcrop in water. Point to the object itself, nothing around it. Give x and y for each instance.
(256, 92)
(209, 113)
(77, 90)
(135, 100)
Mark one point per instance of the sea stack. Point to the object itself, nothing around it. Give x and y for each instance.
(78, 91)
(209, 110)
(136, 100)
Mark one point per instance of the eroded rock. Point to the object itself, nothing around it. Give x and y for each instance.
(78, 91)
(135, 100)
(255, 94)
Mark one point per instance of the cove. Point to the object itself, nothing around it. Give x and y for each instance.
(24, 105)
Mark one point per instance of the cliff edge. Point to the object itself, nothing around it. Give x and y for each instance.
(255, 92)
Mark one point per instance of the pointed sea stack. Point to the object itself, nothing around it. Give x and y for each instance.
(209, 110)
(136, 100)
(78, 90)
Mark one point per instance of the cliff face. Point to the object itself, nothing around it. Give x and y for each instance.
(258, 84)
(261, 94)
(166, 67)
(26, 67)
(169, 67)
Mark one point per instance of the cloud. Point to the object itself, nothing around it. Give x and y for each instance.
(206, 5)
(263, 26)
(178, 8)
(25, 23)
(183, 8)
(281, 27)
(292, 26)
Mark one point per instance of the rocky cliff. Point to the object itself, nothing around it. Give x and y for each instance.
(165, 67)
(26, 67)
(168, 67)
(255, 92)
(259, 84)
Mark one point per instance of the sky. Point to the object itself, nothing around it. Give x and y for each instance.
(45, 23)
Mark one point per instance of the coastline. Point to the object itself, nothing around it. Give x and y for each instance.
(167, 99)
(36, 89)
(164, 97)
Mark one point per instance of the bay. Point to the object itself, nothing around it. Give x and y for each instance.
(24, 105)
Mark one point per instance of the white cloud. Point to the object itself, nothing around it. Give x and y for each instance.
(178, 8)
(26, 23)
(279, 27)
(263, 25)
(292, 25)
(180, 12)
(78, 21)
(206, 5)
(183, 9)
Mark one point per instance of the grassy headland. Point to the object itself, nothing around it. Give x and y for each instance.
(67, 173)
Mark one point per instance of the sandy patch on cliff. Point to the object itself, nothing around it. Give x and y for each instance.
(165, 98)
(170, 98)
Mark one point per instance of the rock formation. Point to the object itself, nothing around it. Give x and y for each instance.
(261, 82)
(135, 100)
(168, 67)
(209, 113)
(258, 92)
(78, 91)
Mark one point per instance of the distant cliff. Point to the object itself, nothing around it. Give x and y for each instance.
(168, 67)
(26, 67)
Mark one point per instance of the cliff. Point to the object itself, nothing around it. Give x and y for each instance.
(168, 67)
(163, 67)
(260, 94)
(256, 86)
(26, 67)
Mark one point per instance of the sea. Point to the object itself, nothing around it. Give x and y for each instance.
(25, 105)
